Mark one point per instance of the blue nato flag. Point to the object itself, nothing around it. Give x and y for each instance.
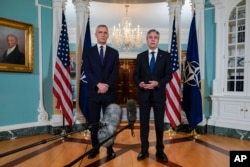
(192, 101)
(83, 80)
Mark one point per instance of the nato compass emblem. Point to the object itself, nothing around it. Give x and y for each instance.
(83, 77)
(192, 74)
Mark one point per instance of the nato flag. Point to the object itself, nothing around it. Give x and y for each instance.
(83, 80)
(192, 102)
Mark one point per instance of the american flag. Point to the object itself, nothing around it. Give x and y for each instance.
(173, 88)
(62, 88)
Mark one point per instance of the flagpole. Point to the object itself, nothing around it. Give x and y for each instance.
(172, 89)
(171, 131)
(63, 128)
(62, 87)
(192, 100)
(194, 134)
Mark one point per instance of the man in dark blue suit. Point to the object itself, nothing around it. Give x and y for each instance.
(153, 71)
(101, 64)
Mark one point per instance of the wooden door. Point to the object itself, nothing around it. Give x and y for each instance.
(126, 88)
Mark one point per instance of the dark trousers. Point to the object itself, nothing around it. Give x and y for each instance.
(95, 106)
(159, 111)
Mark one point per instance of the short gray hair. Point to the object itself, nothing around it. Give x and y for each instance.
(153, 30)
(102, 25)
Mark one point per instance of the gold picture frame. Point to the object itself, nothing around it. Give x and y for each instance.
(20, 58)
(183, 61)
(73, 64)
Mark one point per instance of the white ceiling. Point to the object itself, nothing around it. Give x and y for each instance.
(146, 13)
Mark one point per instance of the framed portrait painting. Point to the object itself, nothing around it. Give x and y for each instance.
(16, 46)
(73, 73)
(183, 60)
(73, 64)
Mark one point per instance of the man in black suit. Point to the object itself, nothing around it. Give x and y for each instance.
(13, 55)
(152, 87)
(101, 64)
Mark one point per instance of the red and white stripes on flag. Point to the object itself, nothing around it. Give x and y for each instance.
(173, 88)
(62, 88)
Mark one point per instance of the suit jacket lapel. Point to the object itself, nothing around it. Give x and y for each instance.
(158, 59)
(146, 61)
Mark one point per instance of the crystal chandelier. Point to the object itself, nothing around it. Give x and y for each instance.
(125, 37)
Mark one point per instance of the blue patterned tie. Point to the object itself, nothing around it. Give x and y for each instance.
(152, 62)
(101, 53)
